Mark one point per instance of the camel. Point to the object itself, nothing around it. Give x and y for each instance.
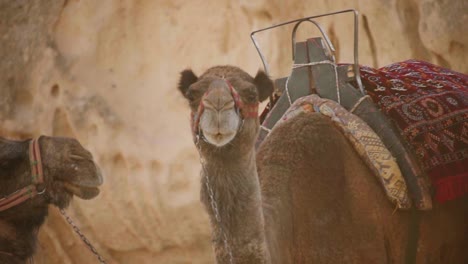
(68, 170)
(305, 196)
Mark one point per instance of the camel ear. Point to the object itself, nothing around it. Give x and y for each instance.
(264, 85)
(187, 78)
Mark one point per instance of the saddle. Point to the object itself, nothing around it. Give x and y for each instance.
(314, 72)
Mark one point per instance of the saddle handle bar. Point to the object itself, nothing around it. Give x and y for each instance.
(357, 75)
(327, 40)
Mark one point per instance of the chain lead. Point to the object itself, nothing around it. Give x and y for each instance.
(83, 237)
(214, 206)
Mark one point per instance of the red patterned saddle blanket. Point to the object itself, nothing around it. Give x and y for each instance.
(429, 105)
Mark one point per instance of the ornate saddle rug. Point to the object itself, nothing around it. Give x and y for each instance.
(364, 140)
(429, 105)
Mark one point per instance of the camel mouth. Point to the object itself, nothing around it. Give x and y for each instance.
(219, 139)
(84, 192)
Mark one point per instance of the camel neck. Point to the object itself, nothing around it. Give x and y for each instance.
(234, 186)
(15, 245)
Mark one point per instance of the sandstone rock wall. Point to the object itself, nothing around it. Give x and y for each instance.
(105, 72)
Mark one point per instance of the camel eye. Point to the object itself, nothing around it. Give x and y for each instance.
(250, 95)
(192, 94)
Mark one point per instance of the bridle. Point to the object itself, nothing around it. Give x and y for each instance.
(36, 187)
(242, 109)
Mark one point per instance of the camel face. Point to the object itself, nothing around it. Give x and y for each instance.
(69, 170)
(221, 99)
(220, 119)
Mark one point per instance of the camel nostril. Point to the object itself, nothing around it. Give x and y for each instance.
(218, 136)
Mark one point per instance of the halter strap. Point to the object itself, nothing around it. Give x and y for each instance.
(37, 179)
(244, 110)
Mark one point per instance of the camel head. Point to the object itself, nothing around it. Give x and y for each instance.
(224, 103)
(68, 170)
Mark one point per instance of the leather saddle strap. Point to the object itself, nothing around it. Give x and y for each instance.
(298, 87)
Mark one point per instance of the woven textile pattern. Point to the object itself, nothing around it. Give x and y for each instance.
(429, 104)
